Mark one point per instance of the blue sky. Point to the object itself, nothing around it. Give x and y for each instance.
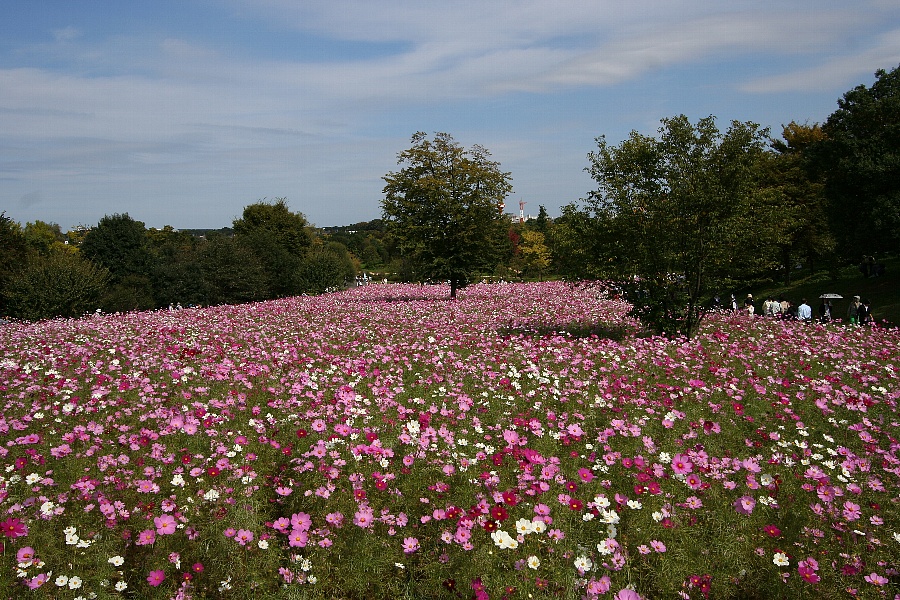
(183, 112)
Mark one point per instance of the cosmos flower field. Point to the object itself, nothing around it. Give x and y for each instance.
(523, 441)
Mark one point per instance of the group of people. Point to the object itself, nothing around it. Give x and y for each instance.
(858, 313)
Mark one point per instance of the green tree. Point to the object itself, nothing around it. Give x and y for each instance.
(579, 244)
(681, 215)
(280, 239)
(13, 255)
(176, 258)
(43, 237)
(59, 284)
(860, 160)
(802, 216)
(326, 267)
(443, 209)
(120, 244)
(231, 272)
(535, 253)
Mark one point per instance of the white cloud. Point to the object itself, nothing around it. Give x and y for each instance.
(840, 71)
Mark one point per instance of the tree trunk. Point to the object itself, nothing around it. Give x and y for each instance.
(453, 289)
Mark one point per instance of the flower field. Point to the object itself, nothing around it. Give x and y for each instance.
(384, 442)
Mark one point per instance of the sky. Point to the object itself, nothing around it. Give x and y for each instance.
(183, 112)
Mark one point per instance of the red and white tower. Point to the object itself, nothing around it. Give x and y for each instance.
(522, 204)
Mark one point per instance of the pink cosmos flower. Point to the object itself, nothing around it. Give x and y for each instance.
(243, 537)
(851, 511)
(693, 502)
(298, 538)
(164, 524)
(627, 594)
(301, 521)
(681, 464)
(146, 537)
(410, 545)
(693, 481)
(25, 554)
(657, 546)
(36, 582)
(875, 579)
(585, 475)
(363, 517)
(744, 505)
(156, 577)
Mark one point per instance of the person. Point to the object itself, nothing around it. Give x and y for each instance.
(785, 308)
(864, 313)
(748, 305)
(734, 306)
(825, 310)
(775, 308)
(804, 311)
(853, 310)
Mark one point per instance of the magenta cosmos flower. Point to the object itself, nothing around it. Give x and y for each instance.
(156, 577)
(13, 528)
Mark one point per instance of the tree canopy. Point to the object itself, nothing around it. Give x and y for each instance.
(860, 161)
(443, 208)
(676, 214)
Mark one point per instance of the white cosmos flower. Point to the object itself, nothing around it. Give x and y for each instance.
(534, 562)
(781, 559)
(583, 563)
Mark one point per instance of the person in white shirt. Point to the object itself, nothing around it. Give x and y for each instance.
(804, 311)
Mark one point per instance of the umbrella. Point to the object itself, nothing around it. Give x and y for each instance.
(830, 296)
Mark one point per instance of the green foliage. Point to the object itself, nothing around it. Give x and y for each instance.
(326, 267)
(279, 238)
(535, 253)
(801, 216)
(13, 252)
(176, 276)
(120, 244)
(43, 237)
(232, 272)
(860, 159)
(289, 230)
(60, 284)
(680, 215)
(444, 209)
(576, 240)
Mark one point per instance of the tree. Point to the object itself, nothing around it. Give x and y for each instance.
(120, 244)
(13, 254)
(280, 239)
(231, 272)
(59, 284)
(443, 208)
(860, 160)
(535, 253)
(43, 237)
(679, 215)
(176, 257)
(326, 267)
(801, 219)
